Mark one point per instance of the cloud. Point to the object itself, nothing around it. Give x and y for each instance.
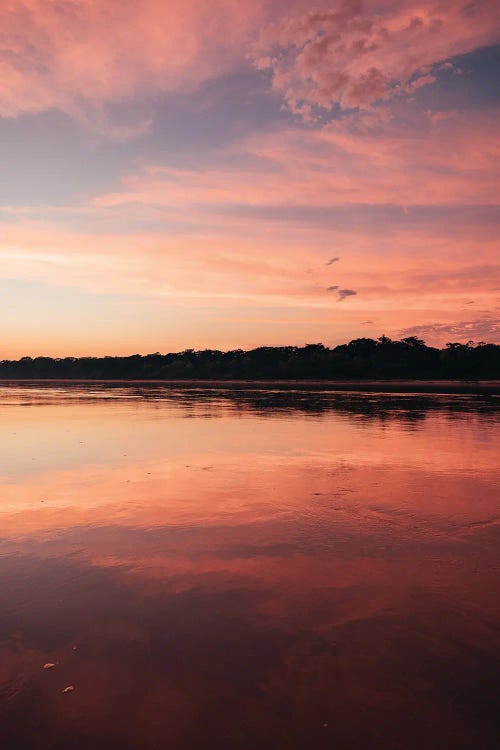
(344, 293)
(82, 56)
(485, 328)
(360, 53)
(183, 266)
(417, 83)
(241, 269)
(79, 56)
(357, 160)
(408, 196)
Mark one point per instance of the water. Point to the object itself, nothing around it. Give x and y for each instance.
(247, 569)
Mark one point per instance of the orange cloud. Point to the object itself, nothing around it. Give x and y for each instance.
(405, 278)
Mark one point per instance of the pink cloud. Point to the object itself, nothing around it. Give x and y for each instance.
(485, 328)
(360, 53)
(360, 159)
(261, 265)
(78, 56)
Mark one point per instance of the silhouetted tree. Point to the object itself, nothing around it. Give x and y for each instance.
(362, 358)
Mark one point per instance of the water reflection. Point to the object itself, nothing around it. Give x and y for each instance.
(247, 569)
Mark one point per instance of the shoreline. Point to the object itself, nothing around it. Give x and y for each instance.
(478, 387)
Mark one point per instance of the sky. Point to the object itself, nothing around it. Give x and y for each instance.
(227, 174)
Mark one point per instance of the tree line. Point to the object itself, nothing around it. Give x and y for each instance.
(362, 358)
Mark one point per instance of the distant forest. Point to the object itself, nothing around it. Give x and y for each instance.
(362, 358)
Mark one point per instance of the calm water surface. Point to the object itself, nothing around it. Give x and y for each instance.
(247, 569)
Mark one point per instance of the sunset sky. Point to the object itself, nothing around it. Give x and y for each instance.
(223, 174)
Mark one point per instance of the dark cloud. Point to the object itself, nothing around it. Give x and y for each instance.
(343, 293)
(332, 260)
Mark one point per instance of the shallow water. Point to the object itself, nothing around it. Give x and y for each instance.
(215, 568)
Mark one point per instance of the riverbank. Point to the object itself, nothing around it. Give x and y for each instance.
(491, 387)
